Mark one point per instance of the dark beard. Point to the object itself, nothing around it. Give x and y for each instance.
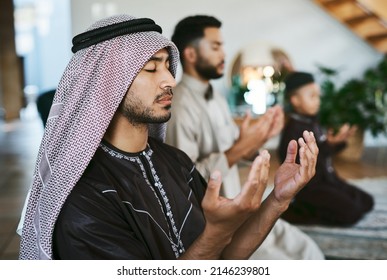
(207, 71)
(144, 117)
(137, 114)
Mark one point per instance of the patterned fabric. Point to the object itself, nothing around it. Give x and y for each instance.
(91, 89)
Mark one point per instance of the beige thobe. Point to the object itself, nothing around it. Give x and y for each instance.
(205, 129)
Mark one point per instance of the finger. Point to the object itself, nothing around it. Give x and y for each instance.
(344, 129)
(246, 121)
(301, 141)
(353, 129)
(252, 183)
(311, 142)
(265, 122)
(305, 167)
(213, 187)
(275, 130)
(255, 168)
(264, 177)
(279, 112)
(271, 113)
(309, 156)
(303, 170)
(291, 152)
(305, 150)
(279, 118)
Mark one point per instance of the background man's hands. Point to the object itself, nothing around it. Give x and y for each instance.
(253, 135)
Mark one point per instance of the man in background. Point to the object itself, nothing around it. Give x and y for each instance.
(203, 127)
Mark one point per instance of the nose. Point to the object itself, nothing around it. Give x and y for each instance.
(168, 80)
(222, 53)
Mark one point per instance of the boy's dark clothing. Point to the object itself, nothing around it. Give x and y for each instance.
(326, 199)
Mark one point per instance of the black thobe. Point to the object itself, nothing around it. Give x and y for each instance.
(327, 199)
(132, 206)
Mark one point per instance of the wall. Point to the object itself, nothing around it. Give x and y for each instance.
(44, 41)
(11, 95)
(304, 30)
(307, 33)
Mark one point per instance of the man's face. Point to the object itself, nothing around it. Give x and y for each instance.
(149, 98)
(210, 54)
(306, 100)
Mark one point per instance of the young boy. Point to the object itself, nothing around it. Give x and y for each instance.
(326, 199)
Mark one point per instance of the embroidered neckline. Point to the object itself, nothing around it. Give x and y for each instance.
(117, 153)
(177, 246)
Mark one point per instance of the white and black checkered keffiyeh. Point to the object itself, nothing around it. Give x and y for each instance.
(89, 93)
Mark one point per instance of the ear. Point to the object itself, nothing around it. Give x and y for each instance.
(295, 100)
(190, 54)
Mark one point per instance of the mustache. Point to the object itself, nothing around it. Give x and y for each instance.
(166, 93)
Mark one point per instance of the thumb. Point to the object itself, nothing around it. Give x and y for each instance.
(213, 186)
(291, 152)
(246, 120)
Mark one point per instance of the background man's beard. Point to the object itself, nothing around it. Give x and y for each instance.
(207, 71)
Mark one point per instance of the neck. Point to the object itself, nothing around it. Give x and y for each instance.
(131, 138)
(302, 118)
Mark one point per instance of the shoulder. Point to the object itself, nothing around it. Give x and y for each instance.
(185, 107)
(176, 161)
(95, 175)
(184, 99)
(182, 94)
(169, 152)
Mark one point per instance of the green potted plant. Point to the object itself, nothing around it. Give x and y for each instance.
(361, 102)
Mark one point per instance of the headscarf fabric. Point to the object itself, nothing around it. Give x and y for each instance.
(88, 95)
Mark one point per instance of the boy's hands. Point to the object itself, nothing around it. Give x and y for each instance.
(342, 135)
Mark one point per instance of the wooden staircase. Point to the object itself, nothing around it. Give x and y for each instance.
(366, 18)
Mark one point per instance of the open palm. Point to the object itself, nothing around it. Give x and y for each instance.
(291, 177)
